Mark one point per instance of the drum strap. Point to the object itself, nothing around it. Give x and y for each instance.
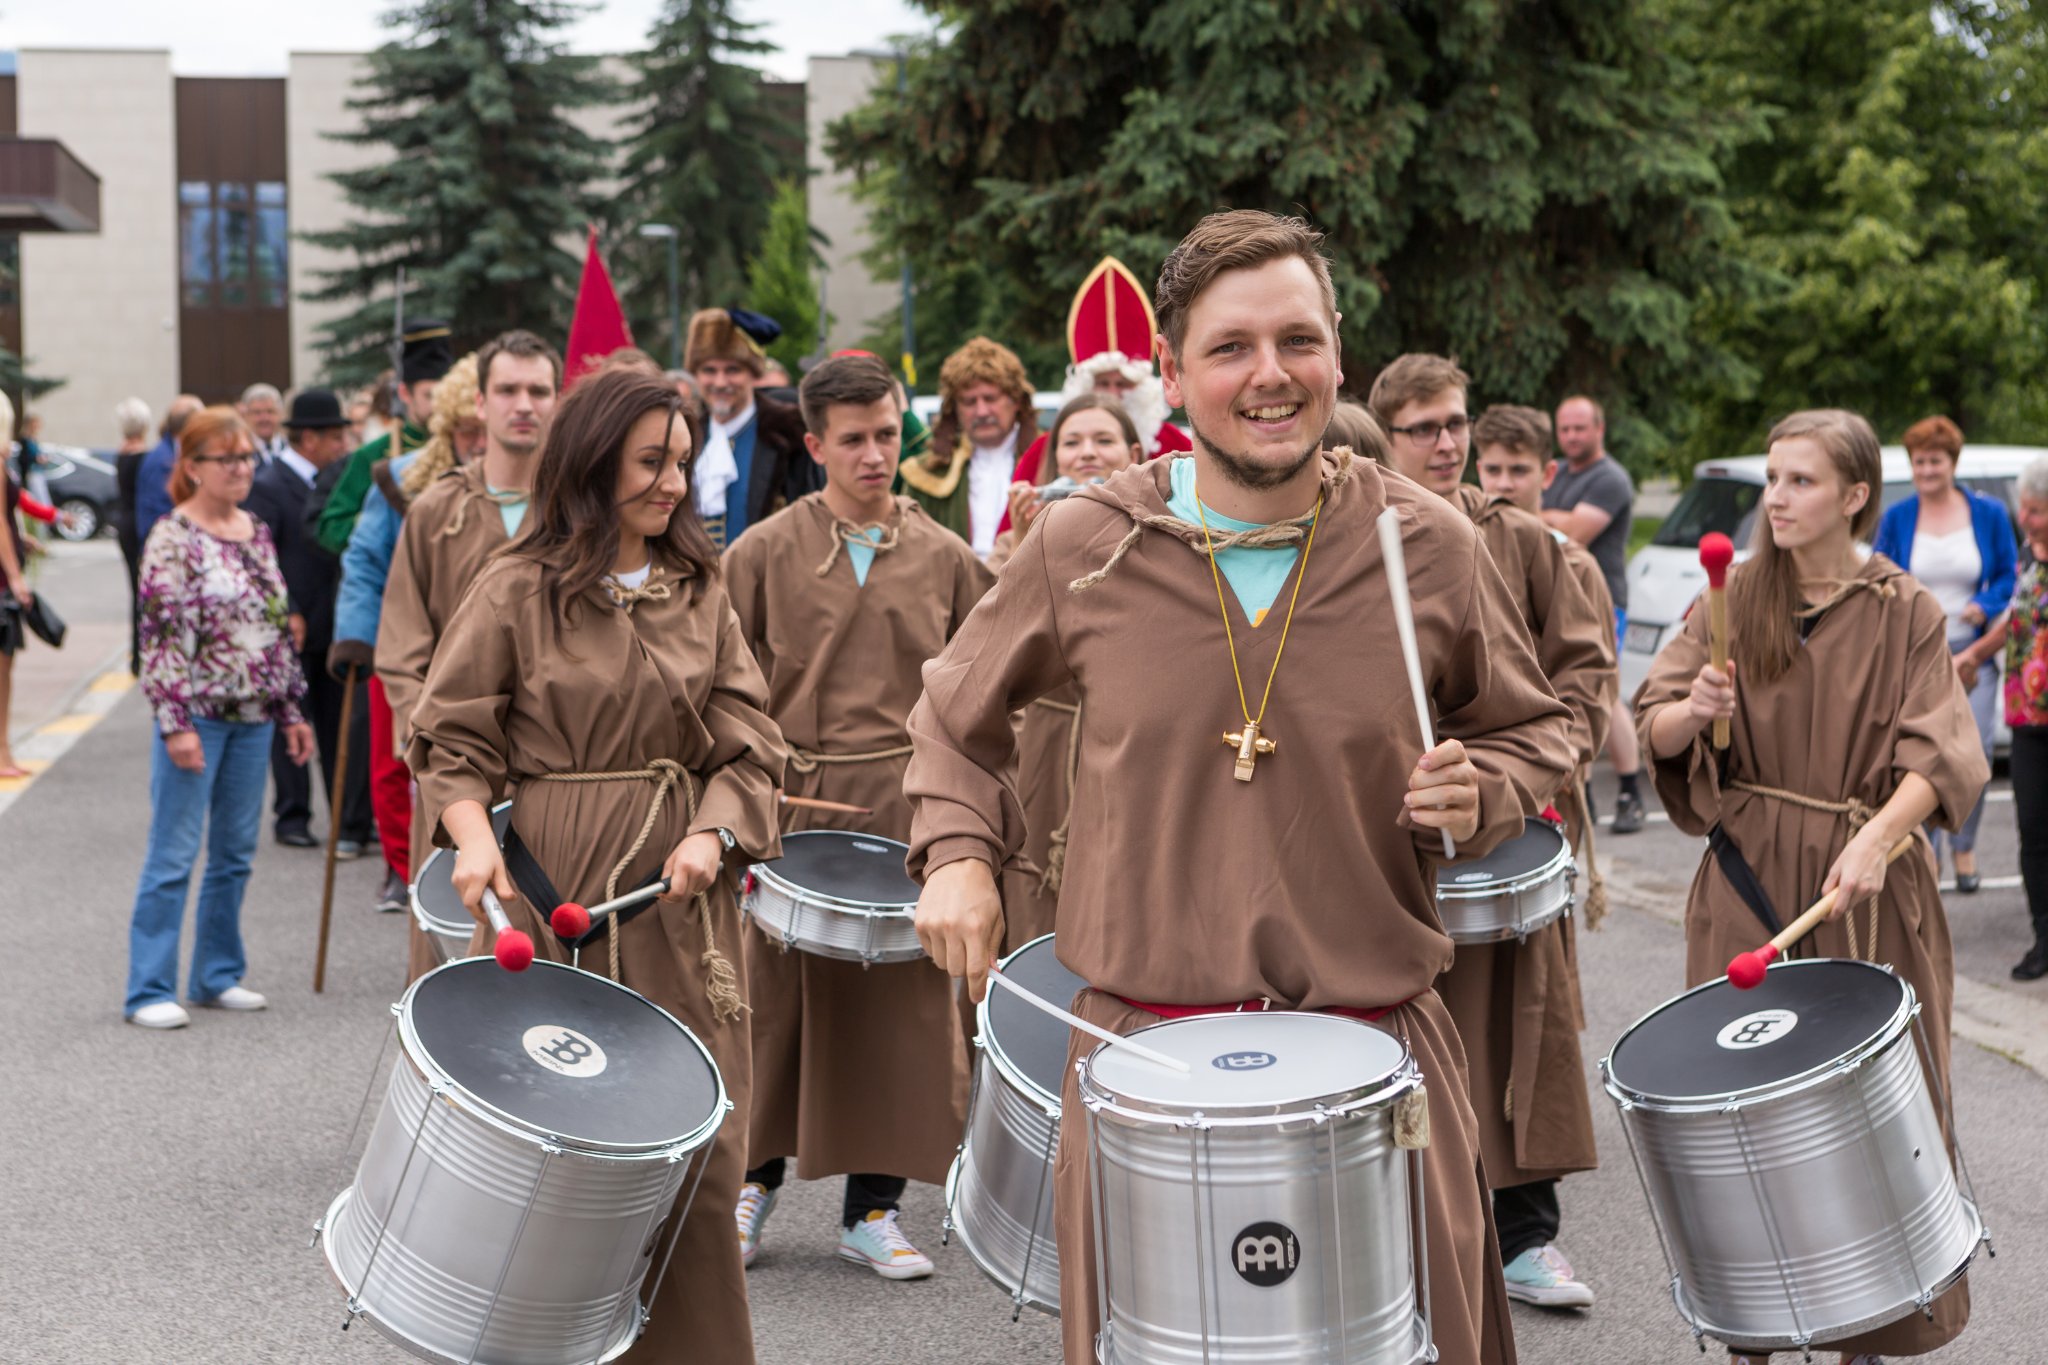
(1743, 878)
(535, 886)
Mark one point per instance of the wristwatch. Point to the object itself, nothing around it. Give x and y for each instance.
(725, 837)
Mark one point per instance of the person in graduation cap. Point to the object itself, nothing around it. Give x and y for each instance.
(754, 461)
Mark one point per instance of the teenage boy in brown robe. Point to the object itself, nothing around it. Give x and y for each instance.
(1516, 1003)
(452, 528)
(606, 689)
(1224, 875)
(843, 597)
(1848, 730)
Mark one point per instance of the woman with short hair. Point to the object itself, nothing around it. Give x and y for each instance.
(1959, 544)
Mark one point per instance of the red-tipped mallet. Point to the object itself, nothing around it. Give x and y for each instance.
(513, 949)
(1746, 970)
(1717, 552)
(572, 921)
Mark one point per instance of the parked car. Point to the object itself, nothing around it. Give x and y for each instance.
(1664, 577)
(82, 485)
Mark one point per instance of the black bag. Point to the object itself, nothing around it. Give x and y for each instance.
(12, 637)
(42, 618)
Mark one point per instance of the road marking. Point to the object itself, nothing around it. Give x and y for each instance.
(40, 748)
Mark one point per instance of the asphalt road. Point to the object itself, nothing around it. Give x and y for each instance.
(161, 1188)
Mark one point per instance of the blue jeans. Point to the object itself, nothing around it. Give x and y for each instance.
(225, 801)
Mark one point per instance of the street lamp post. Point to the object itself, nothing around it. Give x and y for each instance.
(675, 289)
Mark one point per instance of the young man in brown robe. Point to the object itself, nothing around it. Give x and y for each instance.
(451, 529)
(1516, 1003)
(843, 596)
(1848, 729)
(1230, 874)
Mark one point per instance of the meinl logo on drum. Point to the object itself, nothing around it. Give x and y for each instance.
(1243, 1061)
(1265, 1254)
(564, 1051)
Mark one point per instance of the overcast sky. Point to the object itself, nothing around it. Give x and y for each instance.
(251, 37)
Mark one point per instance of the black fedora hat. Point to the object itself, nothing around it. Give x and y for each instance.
(316, 409)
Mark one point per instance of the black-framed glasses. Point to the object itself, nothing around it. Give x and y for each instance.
(1427, 432)
(226, 461)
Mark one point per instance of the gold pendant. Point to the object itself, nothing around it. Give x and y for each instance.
(1249, 744)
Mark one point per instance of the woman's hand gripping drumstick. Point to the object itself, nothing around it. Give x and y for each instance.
(1075, 1021)
(513, 948)
(959, 920)
(1443, 791)
(1746, 970)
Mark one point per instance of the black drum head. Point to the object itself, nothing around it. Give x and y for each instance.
(1717, 1040)
(1034, 1042)
(847, 866)
(436, 889)
(568, 1053)
(1537, 844)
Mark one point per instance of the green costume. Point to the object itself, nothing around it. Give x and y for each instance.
(345, 502)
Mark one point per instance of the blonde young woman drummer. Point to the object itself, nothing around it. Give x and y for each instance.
(1848, 731)
(595, 673)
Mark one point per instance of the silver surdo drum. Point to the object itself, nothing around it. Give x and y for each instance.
(1258, 1207)
(837, 894)
(436, 906)
(522, 1177)
(999, 1191)
(1792, 1156)
(1511, 892)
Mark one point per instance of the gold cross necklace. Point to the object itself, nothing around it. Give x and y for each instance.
(1248, 742)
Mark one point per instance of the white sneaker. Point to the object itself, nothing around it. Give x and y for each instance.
(756, 1203)
(878, 1243)
(234, 998)
(161, 1015)
(1542, 1276)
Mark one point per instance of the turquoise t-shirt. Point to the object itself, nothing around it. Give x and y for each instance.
(861, 550)
(512, 512)
(1256, 576)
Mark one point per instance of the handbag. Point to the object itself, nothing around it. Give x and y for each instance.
(11, 636)
(42, 618)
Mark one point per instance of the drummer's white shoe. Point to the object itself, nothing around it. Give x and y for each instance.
(877, 1242)
(756, 1203)
(1542, 1276)
(235, 998)
(162, 1014)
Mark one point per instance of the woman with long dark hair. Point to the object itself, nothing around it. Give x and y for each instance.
(596, 674)
(1849, 731)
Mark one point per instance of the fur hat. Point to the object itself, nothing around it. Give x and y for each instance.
(716, 335)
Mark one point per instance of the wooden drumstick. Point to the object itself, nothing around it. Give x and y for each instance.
(1717, 552)
(830, 807)
(1745, 970)
(1404, 622)
(1074, 1021)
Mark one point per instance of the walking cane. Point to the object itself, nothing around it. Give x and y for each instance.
(334, 799)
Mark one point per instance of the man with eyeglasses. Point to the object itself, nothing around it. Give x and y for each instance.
(1516, 1003)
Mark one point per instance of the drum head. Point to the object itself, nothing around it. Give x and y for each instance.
(1033, 1042)
(435, 889)
(1266, 1062)
(846, 866)
(1538, 844)
(564, 1052)
(1716, 1040)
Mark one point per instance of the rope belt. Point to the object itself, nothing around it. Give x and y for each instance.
(845, 533)
(1596, 883)
(1857, 813)
(809, 761)
(721, 984)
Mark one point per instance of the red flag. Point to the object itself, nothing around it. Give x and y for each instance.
(599, 327)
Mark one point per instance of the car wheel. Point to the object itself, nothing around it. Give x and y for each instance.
(85, 519)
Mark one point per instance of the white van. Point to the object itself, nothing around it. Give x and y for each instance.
(1665, 576)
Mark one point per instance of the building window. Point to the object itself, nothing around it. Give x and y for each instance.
(233, 239)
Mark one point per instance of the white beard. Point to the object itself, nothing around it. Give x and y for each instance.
(1146, 403)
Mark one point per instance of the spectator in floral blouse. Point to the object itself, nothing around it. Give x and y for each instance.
(220, 671)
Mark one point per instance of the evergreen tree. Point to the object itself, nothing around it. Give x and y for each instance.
(483, 183)
(706, 149)
(16, 381)
(779, 280)
(1533, 188)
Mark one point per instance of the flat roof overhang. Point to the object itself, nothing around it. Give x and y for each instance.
(44, 188)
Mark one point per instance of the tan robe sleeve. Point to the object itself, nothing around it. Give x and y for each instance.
(747, 750)
(1937, 735)
(1688, 784)
(405, 630)
(971, 582)
(1491, 695)
(962, 779)
(1575, 648)
(745, 577)
(458, 750)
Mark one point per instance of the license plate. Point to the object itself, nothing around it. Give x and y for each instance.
(1642, 637)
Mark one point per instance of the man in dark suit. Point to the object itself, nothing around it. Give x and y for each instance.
(753, 461)
(317, 436)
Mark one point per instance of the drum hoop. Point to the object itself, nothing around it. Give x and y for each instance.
(804, 896)
(991, 1044)
(1544, 874)
(1338, 1104)
(1898, 1026)
(445, 1087)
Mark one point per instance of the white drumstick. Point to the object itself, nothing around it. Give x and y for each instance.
(1071, 1021)
(1404, 621)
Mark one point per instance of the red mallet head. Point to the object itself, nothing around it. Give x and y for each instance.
(1746, 970)
(1717, 552)
(514, 951)
(570, 920)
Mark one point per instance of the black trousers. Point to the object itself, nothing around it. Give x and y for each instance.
(1527, 1217)
(294, 804)
(864, 1193)
(2029, 763)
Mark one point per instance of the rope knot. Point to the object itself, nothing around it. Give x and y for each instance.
(653, 590)
(845, 533)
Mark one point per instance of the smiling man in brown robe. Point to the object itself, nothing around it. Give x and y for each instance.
(1516, 1003)
(1230, 874)
(858, 1070)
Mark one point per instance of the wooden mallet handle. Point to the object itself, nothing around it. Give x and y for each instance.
(829, 807)
(1717, 552)
(1745, 970)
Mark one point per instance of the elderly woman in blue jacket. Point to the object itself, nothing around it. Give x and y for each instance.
(1960, 545)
